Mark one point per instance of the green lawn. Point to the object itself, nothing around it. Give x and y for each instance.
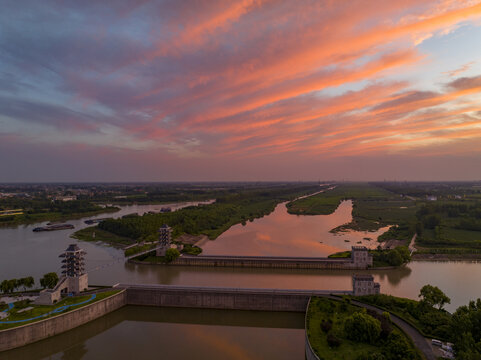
(43, 309)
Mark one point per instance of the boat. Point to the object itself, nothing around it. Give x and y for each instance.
(54, 227)
(96, 221)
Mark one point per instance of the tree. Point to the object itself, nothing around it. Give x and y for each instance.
(466, 331)
(49, 280)
(4, 286)
(27, 282)
(362, 327)
(432, 295)
(397, 348)
(171, 254)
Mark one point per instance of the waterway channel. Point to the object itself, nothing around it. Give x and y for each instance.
(143, 331)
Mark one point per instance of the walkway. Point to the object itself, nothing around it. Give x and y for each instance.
(412, 247)
(54, 311)
(418, 339)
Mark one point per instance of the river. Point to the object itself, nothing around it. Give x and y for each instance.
(149, 332)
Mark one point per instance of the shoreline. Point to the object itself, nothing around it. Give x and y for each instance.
(63, 218)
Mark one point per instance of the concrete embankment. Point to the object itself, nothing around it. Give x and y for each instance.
(221, 298)
(267, 262)
(26, 334)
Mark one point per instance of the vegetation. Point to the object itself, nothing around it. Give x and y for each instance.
(42, 208)
(339, 330)
(49, 280)
(432, 295)
(373, 208)
(463, 328)
(8, 286)
(139, 248)
(430, 321)
(171, 255)
(38, 310)
(94, 233)
(191, 249)
(466, 331)
(211, 220)
(383, 258)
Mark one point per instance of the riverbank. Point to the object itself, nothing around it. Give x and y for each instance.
(26, 219)
(25, 312)
(332, 332)
(25, 334)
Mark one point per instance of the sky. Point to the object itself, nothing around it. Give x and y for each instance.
(240, 90)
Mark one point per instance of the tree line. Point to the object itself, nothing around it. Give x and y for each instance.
(49, 280)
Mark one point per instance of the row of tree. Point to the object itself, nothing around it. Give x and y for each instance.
(8, 286)
(49, 280)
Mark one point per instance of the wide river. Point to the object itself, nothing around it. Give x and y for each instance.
(207, 334)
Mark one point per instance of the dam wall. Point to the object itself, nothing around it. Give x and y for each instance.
(26, 334)
(221, 298)
(269, 262)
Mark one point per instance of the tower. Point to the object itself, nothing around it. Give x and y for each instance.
(165, 232)
(73, 268)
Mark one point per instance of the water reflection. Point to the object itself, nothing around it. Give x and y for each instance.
(178, 334)
(282, 234)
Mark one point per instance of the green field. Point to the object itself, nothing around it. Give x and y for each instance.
(38, 310)
(336, 312)
(373, 208)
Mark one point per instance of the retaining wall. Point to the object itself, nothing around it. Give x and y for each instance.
(268, 262)
(26, 334)
(220, 298)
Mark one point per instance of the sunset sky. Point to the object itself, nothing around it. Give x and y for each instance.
(242, 90)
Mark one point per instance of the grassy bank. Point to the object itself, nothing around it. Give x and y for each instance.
(39, 310)
(373, 208)
(429, 321)
(34, 217)
(331, 338)
(94, 233)
(211, 220)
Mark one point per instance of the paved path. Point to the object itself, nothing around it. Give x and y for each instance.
(412, 248)
(419, 340)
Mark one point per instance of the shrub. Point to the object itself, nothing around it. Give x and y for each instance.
(362, 327)
(326, 325)
(333, 341)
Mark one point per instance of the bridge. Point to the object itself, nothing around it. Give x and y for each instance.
(360, 259)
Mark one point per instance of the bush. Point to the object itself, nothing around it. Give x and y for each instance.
(326, 325)
(362, 327)
(333, 341)
(397, 348)
(171, 254)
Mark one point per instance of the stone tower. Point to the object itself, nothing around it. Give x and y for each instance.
(360, 257)
(73, 268)
(364, 285)
(165, 232)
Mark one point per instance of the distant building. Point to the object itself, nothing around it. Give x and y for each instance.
(365, 285)
(74, 279)
(360, 257)
(431, 197)
(165, 233)
(66, 198)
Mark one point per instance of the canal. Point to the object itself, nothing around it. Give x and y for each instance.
(222, 334)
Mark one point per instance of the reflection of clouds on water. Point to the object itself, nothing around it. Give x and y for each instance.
(282, 234)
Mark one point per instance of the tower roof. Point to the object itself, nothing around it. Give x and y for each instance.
(72, 248)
